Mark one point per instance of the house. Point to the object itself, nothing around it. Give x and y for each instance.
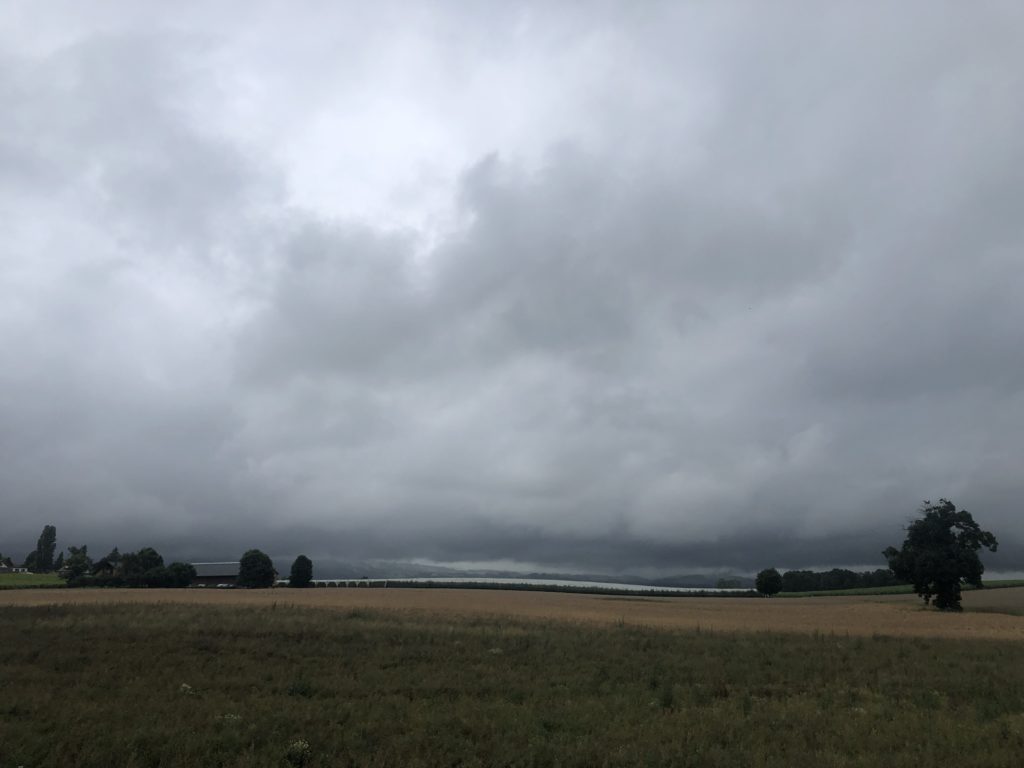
(105, 567)
(215, 574)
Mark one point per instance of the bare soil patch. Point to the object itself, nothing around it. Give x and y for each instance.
(891, 615)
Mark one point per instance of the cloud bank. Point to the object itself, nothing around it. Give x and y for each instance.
(637, 288)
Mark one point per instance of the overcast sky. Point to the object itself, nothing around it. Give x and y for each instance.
(609, 286)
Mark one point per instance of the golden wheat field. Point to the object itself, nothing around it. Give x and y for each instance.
(988, 614)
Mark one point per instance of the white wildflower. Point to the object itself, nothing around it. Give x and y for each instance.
(298, 753)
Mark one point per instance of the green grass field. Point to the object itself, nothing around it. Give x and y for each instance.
(25, 580)
(180, 685)
(901, 589)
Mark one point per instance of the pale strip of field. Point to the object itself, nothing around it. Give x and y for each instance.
(897, 615)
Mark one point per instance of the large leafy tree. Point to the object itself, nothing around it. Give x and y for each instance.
(78, 564)
(302, 572)
(255, 570)
(45, 549)
(768, 582)
(144, 568)
(180, 574)
(138, 563)
(940, 554)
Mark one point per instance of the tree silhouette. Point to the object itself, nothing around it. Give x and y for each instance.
(256, 570)
(768, 582)
(940, 553)
(45, 549)
(302, 572)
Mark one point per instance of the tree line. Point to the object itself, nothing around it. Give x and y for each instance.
(938, 557)
(146, 567)
(837, 578)
(771, 582)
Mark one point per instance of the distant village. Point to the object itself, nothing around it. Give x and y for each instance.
(146, 568)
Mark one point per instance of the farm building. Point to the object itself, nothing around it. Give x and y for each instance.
(105, 567)
(215, 574)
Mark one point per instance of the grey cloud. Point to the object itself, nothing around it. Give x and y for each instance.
(100, 128)
(759, 307)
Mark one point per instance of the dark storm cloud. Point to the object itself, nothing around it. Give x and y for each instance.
(747, 299)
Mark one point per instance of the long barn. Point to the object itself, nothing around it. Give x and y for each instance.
(215, 574)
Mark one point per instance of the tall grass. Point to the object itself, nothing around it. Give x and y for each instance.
(180, 685)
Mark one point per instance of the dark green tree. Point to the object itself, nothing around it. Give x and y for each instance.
(158, 577)
(256, 570)
(837, 578)
(769, 582)
(940, 554)
(59, 562)
(140, 569)
(78, 564)
(30, 560)
(800, 581)
(114, 557)
(302, 572)
(45, 549)
(180, 574)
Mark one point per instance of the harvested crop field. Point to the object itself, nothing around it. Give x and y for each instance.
(992, 614)
(439, 677)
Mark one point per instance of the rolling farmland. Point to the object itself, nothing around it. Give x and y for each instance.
(437, 678)
(891, 615)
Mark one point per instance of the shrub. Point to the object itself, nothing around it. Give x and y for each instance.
(156, 577)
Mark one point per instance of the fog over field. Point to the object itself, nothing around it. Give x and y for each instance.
(601, 287)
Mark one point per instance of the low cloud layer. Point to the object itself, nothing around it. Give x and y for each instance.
(671, 289)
